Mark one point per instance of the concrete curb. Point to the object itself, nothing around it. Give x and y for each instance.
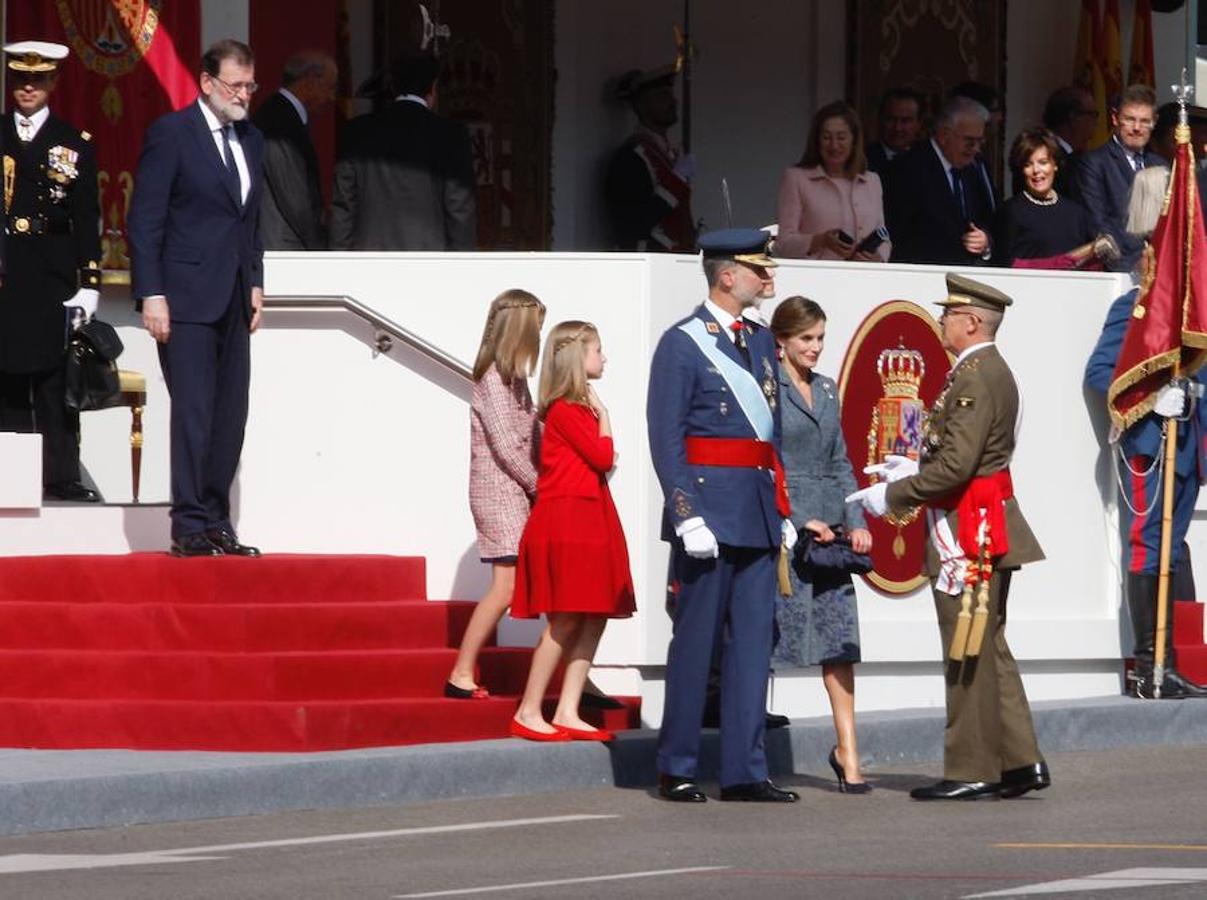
(46, 790)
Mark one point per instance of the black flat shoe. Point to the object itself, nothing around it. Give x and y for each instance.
(678, 789)
(844, 786)
(775, 720)
(758, 792)
(599, 701)
(1016, 782)
(957, 790)
(71, 491)
(452, 692)
(229, 544)
(196, 544)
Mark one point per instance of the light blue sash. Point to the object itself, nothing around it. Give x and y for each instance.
(745, 389)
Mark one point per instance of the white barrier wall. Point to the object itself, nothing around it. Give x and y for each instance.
(348, 451)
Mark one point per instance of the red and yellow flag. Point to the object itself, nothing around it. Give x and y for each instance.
(1111, 48)
(1087, 65)
(1140, 70)
(1167, 334)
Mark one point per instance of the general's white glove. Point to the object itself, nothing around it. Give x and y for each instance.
(685, 167)
(85, 299)
(700, 543)
(1171, 401)
(894, 468)
(789, 534)
(873, 499)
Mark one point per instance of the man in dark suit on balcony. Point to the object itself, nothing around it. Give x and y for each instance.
(405, 176)
(938, 204)
(198, 274)
(291, 211)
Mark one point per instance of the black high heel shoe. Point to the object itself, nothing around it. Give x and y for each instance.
(844, 786)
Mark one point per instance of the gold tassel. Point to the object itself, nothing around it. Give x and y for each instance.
(981, 617)
(782, 573)
(959, 640)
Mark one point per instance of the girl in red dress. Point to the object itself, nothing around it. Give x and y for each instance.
(573, 562)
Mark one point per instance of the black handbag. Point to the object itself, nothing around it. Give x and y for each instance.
(836, 555)
(91, 373)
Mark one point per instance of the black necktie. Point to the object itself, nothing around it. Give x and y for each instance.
(957, 188)
(228, 157)
(739, 340)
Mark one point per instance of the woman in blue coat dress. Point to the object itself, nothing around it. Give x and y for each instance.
(819, 623)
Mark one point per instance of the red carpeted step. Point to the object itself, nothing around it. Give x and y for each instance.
(233, 626)
(1192, 662)
(158, 577)
(1187, 623)
(353, 675)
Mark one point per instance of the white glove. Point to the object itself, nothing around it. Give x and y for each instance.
(685, 167)
(873, 498)
(894, 468)
(700, 543)
(1171, 401)
(85, 299)
(789, 534)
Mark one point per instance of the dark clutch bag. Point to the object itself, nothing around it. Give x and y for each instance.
(91, 371)
(836, 555)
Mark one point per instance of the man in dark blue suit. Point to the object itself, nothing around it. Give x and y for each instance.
(197, 268)
(714, 430)
(939, 204)
(1105, 174)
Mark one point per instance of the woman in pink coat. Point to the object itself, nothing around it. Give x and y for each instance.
(829, 202)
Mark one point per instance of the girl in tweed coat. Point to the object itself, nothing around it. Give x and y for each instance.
(504, 444)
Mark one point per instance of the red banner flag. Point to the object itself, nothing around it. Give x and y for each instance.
(1141, 71)
(131, 61)
(1167, 334)
(1087, 65)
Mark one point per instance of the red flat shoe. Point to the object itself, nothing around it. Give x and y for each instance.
(517, 729)
(581, 734)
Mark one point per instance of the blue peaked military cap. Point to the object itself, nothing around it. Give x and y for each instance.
(748, 245)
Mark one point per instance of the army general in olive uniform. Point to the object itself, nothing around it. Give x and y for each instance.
(976, 528)
(52, 262)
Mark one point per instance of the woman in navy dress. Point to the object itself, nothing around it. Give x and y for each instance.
(819, 623)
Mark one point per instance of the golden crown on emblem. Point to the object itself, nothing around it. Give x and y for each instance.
(901, 372)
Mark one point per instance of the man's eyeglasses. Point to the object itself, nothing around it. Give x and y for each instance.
(948, 313)
(1136, 122)
(250, 86)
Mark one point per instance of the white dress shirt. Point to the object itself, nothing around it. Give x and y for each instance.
(215, 128)
(37, 120)
(297, 105)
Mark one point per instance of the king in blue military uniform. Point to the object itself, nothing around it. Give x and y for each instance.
(714, 429)
(52, 265)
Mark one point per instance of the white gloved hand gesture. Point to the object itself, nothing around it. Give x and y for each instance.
(788, 531)
(700, 543)
(85, 299)
(1171, 401)
(894, 468)
(685, 167)
(873, 499)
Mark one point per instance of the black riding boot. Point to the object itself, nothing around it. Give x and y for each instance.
(1142, 605)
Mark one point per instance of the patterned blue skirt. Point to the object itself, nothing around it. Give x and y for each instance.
(819, 623)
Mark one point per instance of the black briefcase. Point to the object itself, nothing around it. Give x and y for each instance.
(92, 378)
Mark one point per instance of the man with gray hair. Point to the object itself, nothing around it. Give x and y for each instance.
(291, 212)
(1139, 448)
(939, 208)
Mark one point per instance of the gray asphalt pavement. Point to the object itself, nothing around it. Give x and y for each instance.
(1121, 823)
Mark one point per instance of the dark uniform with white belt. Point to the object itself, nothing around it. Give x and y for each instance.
(52, 263)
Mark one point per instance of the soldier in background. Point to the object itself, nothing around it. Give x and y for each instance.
(648, 189)
(52, 267)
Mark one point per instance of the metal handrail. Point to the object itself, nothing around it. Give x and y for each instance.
(388, 330)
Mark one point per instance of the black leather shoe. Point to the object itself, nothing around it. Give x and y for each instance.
(1177, 682)
(196, 544)
(1174, 687)
(758, 792)
(775, 720)
(229, 544)
(71, 491)
(957, 790)
(1016, 782)
(679, 789)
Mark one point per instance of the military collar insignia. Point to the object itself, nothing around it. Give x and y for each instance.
(713, 327)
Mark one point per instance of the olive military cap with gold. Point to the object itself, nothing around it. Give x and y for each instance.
(964, 291)
(34, 56)
(745, 245)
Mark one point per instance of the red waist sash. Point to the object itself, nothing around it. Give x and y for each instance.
(987, 492)
(742, 453)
